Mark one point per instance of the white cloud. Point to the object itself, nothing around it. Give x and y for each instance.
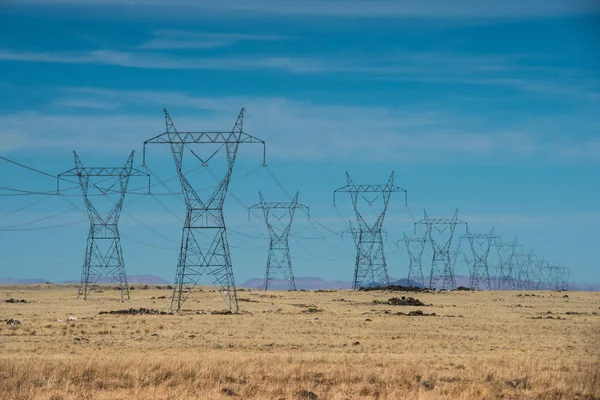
(176, 39)
(295, 129)
(161, 61)
(458, 9)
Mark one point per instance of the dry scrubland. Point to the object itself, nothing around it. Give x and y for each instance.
(488, 345)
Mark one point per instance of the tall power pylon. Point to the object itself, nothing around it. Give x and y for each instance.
(279, 217)
(523, 263)
(440, 232)
(505, 279)
(370, 267)
(103, 255)
(415, 246)
(480, 246)
(204, 245)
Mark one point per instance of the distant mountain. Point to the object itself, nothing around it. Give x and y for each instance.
(21, 281)
(148, 279)
(302, 283)
(151, 279)
(405, 282)
(586, 287)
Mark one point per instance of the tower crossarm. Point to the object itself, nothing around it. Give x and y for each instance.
(235, 136)
(388, 188)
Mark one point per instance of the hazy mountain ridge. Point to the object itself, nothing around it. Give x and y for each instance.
(302, 282)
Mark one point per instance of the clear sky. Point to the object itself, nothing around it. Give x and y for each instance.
(491, 107)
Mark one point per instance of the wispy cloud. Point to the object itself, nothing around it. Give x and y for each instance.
(177, 39)
(399, 64)
(162, 61)
(456, 9)
(302, 130)
(90, 104)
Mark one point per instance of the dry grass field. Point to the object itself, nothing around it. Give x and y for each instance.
(300, 345)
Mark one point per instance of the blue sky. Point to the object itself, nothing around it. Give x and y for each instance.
(490, 107)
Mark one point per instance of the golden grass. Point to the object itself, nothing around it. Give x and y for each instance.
(482, 345)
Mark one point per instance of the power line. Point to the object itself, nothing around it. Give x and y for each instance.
(27, 167)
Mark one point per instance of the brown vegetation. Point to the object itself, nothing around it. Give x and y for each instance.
(299, 345)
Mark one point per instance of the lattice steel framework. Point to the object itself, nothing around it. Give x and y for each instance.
(523, 278)
(505, 279)
(440, 232)
(539, 276)
(103, 255)
(279, 217)
(370, 266)
(558, 277)
(204, 217)
(481, 244)
(415, 246)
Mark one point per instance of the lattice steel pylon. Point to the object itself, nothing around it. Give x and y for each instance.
(505, 279)
(415, 246)
(204, 246)
(539, 273)
(523, 278)
(103, 255)
(440, 232)
(558, 277)
(370, 266)
(480, 246)
(279, 217)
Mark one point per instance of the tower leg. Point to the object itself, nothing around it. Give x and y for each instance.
(104, 257)
(197, 259)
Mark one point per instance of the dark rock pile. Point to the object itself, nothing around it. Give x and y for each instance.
(416, 313)
(396, 288)
(312, 310)
(403, 301)
(136, 311)
(11, 300)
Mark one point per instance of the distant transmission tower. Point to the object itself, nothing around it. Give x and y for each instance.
(539, 273)
(505, 279)
(279, 217)
(523, 273)
(565, 278)
(103, 255)
(370, 267)
(559, 278)
(440, 232)
(415, 246)
(480, 246)
(204, 245)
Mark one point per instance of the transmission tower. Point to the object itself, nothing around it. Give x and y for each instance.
(539, 267)
(279, 217)
(103, 255)
(480, 246)
(523, 262)
(506, 264)
(440, 232)
(415, 246)
(370, 266)
(204, 245)
(558, 278)
(565, 278)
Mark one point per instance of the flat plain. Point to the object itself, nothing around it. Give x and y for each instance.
(299, 345)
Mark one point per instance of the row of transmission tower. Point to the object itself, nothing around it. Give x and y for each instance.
(514, 270)
(204, 248)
